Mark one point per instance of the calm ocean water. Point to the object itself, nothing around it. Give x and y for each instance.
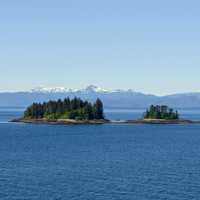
(99, 162)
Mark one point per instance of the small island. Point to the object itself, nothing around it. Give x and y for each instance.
(161, 112)
(68, 111)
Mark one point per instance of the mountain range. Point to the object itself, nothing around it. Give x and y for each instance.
(111, 98)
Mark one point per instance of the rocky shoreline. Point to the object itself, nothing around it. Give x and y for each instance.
(59, 121)
(162, 121)
(79, 122)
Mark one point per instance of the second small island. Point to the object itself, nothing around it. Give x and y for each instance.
(161, 114)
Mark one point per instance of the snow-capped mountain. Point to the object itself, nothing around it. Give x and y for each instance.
(88, 89)
(111, 98)
(93, 88)
(51, 90)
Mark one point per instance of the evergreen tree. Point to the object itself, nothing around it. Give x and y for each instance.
(99, 109)
(89, 114)
(60, 109)
(67, 104)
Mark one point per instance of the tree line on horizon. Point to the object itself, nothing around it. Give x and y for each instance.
(161, 112)
(66, 109)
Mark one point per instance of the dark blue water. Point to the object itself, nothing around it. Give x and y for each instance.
(99, 162)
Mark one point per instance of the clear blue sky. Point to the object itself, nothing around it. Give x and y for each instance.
(150, 46)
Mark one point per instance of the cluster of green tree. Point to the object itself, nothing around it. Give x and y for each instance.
(161, 112)
(66, 109)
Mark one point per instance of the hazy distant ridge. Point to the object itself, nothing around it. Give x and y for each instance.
(112, 99)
